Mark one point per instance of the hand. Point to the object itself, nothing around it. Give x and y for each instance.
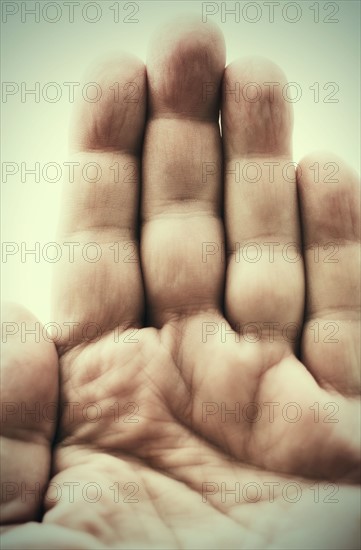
(166, 330)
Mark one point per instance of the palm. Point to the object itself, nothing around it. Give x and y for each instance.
(157, 424)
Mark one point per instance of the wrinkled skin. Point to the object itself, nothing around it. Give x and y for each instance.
(170, 352)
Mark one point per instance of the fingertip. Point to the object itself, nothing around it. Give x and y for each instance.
(329, 191)
(324, 165)
(110, 113)
(257, 117)
(186, 32)
(28, 349)
(258, 67)
(185, 64)
(14, 311)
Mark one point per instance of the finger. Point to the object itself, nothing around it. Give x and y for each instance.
(99, 284)
(330, 209)
(29, 380)
(181, 196)
(264, 281)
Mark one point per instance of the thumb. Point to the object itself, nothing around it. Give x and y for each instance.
(29, 410)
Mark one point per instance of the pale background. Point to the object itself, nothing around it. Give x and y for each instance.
(59, 52)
